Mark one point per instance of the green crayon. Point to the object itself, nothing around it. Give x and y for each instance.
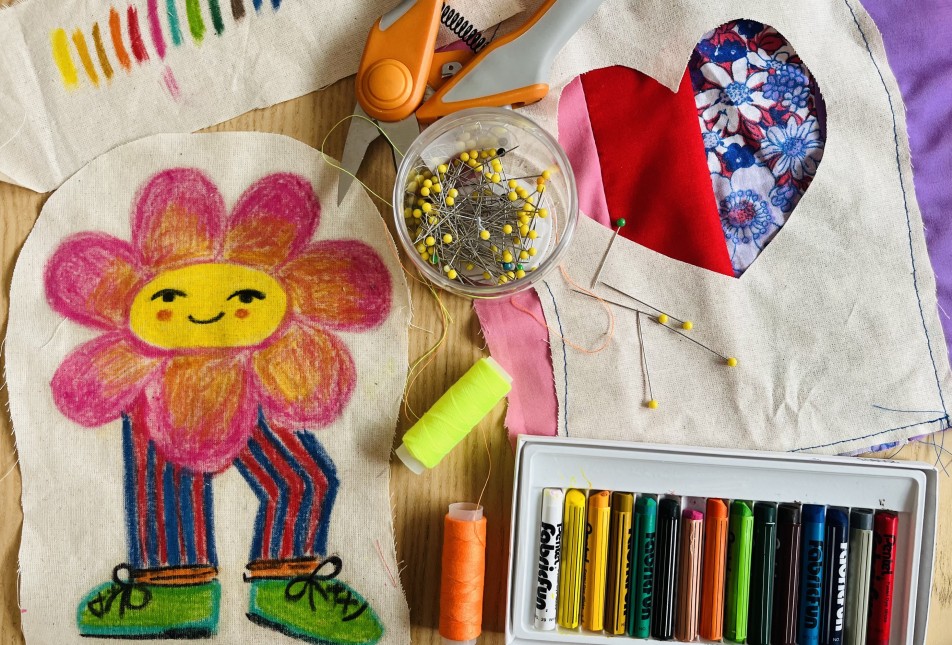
(642, 582)
(740, 539)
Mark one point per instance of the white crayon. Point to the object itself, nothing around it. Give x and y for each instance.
(550, 552)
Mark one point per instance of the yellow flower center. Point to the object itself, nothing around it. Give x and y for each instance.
(208, 305)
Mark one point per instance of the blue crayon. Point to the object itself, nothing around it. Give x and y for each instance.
(811, 574)
(834, 576)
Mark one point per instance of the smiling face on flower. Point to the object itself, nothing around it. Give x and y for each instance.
(208, 305)
(210, 318)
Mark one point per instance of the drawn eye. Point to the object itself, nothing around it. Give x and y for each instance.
(168, 295)
(247, 296)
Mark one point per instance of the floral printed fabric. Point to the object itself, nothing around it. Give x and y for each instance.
(761, 126)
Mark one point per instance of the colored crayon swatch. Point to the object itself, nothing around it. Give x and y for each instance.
(738, 571)
(130, 41)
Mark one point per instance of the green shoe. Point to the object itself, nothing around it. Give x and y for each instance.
(130, 608)
(316, 608)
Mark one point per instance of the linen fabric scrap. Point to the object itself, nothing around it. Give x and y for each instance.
(834, 325)
(205, 358)
(81, 77)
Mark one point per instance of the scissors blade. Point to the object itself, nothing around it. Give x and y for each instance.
(360, 135)
(401, 133)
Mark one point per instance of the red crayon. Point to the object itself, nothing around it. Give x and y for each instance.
(885, 529)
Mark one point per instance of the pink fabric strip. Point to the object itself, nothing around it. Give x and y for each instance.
(576, 136)
(515, 340)
(521, 346)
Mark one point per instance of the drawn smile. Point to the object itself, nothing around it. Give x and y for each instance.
(221, 314)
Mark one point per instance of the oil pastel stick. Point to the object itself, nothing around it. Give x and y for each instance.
(836, 555)
(596, 560)
(712, 577)
(666, 569)
(550, 552)
(689, 578)
(883, 572)
(619, 563)
(572, 566)
(857, 587)
(763, 561)
(787, 582)
(811, 574)
(740, 545)
(642, 583)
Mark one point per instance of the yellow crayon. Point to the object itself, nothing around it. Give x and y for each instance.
(619, 563)
(573, 560)
(596, 560)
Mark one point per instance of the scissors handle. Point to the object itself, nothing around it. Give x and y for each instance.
(513, 70)
(392, 76)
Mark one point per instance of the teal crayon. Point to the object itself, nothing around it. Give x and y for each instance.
(640, 600)
(740, 546)
(811, 575)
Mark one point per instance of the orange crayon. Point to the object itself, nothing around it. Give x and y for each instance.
(712, 581)
(596, 560)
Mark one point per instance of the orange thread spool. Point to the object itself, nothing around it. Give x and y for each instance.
(463, 574)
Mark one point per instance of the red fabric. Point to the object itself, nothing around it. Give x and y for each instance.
(653, 166)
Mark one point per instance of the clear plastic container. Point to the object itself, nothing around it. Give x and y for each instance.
(456, 243)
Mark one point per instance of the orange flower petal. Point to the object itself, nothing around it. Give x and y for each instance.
(179, 215)
(92, 279)
(306, 377)
(272, 221)
(341, 284)
(100, 379)
(201, 410)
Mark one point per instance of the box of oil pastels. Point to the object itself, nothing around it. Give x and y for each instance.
(615, 541)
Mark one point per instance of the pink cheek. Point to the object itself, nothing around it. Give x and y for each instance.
(164, 315)
(242, 313)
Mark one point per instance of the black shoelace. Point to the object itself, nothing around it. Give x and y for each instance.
(130, 594)
(328, 587)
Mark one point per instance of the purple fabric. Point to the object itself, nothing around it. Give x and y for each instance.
(917, 36)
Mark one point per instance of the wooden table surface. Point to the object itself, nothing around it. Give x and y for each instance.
(419, 502)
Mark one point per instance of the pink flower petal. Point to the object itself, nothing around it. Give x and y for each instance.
(178, 216)
(272, 221)
(92, 280)
(342, 284)
(306, 377)
(98, 381)
(201, 410)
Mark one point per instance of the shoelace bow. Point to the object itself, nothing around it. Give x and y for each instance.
(123, 589)
(328, 588)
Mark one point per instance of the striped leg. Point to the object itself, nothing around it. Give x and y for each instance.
(296, 483)
(169, 518)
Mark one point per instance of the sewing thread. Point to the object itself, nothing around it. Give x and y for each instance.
(463, 573)
(454, 415)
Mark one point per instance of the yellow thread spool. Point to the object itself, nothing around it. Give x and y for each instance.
(454, 415)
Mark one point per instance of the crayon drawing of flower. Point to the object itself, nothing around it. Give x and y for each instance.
(210, 318)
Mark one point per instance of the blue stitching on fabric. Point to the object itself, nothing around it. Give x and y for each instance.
(565, 360)
(875, 434)
(912, 256)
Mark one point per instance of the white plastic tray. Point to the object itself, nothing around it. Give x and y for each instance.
(910, 488)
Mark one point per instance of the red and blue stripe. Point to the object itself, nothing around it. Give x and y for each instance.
(169, 509)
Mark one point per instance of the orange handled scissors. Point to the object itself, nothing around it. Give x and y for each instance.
(402, 82)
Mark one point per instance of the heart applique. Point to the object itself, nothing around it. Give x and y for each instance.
(710, 173)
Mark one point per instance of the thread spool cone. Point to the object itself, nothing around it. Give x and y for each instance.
(409, 460)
